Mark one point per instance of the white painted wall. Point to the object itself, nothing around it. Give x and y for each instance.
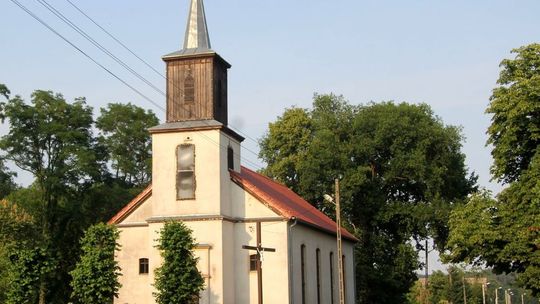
(313, 240)
(229, 225)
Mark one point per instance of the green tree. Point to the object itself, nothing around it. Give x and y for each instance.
(505, 232)
(52, 139)
(402, 172)
(30, 268)
(456, 286)
(438, 282)
(124, 131)
(515, 108)
(15, 225)
(95, 277)
(178, 280)
(7, 185)
(4, 91)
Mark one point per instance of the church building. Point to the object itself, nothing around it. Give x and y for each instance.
(257, 241)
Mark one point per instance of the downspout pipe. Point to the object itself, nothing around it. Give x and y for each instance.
(294, 221)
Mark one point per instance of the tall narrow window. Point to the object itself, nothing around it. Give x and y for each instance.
(185, 175)
(331, 277)
(230, 158)
(219, 93)
(143, 266)
(318, 261)
(189, 88)
(344, 278)
(303, 269)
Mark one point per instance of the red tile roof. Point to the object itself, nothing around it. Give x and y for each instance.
(278, 197)
(284, 201)
(131, 206)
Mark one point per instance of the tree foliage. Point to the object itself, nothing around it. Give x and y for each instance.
(515, 108)
(30, 268)
(505, 232)
(54, 140)
(124, 133)
(17, 229)
(177, 280)
(4, 91)
(402, 172)
(95, 277)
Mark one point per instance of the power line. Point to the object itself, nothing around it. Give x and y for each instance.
(29, 12)
(66, 20)
(80, 31)
(82, 52)
(147, 64)
(116, 39)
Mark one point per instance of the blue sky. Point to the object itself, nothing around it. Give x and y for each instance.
(443, 53)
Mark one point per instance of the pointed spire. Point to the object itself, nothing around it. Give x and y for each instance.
(197, 30)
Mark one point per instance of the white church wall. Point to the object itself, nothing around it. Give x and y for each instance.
(140, 242)
(207, 173)
(140, 214)
(245, 205)
(326, 243)
(274, 265)
(135, 286)
(225, 178)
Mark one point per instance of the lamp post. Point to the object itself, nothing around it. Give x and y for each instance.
(497, 295)
(484, 292)
(338, 237)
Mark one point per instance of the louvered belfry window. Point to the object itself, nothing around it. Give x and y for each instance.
(189, 88)
(185, 175)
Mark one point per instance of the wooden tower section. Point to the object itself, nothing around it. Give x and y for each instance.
(196, 75)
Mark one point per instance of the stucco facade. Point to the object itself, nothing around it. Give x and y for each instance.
(223, 218)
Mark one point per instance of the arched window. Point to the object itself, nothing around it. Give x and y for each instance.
(318, 263)
(344, 277)
(143, 266)
(185, 172)
(331, 277)
(303, 269)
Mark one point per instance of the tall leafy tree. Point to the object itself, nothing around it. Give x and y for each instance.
(124, 131)
(15, 224)
(95, 278)
(505, 232)
(31, 267)
(4, 91)
(52, 139)
(7, 184)
(515, 108)
(177, 281)
(402, 172)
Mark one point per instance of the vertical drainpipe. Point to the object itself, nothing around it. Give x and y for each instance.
(291, 280)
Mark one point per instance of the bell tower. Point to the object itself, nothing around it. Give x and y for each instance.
(196, 75)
